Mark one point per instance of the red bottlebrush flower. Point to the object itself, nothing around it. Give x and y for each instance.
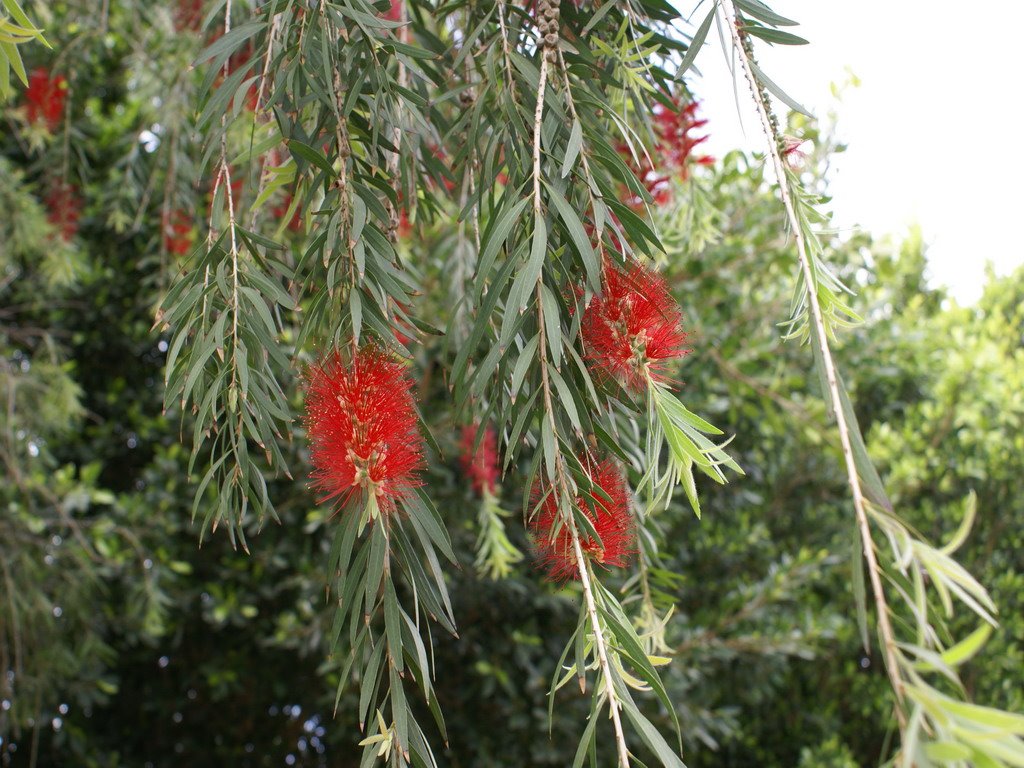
(45, 98)
(610, 518)
(673, 152)
(64, 208)
(676, 142)
(188, 15)
(404, 225)
(480, 462)
(177, 227)
(394, 12)
(633, 328)
(362, 426)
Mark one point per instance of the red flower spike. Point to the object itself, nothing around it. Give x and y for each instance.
(633, 328)
(188, 15)
(610, 517)
(64, 208)
(45, 98)
(676, 144)
(480, 462)
(177, 232)
(363, 429)
(394, 11)
(674, 152)
(404, 225)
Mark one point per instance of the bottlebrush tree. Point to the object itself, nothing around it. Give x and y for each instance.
(426, 224)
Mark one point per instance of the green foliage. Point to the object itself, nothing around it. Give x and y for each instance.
(911, 580)
(169, 653)
(16, 29)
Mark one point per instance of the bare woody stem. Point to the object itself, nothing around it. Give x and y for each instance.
(393, 160)
(504, 45)
(581, 562)
(538, 119)
(771, 133)
(260, 93)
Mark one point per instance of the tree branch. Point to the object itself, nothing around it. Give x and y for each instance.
(581, 562)
(821, 334)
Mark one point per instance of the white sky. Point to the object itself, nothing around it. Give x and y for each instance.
(934, 130)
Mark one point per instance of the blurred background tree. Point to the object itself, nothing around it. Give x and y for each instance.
(123, 642)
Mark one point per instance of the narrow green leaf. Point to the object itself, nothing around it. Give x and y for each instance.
(552, 324)
(370, 682)
(572, 149)
(587, 739)
(310, 155)
(781, 94)
(652, 737)
(393, 623)
(697, 42)
(493, 240)
(761, 11)
(773, 35)
(375, 565)
(399, 708)
(566, 399)
(579, 238)
(523, 364)
(962, 531)
(548, 445)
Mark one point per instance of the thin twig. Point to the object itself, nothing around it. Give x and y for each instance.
(581, 562)
(538, 119)
(394, 158)
(265, 170)
(602, 653)
(881, 605)
(504, 45)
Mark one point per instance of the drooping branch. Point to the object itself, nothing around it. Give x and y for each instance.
(741, 46)
(549, 54)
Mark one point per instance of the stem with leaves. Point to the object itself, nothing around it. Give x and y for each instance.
(741, 45)
(935, 728)
(561, 482)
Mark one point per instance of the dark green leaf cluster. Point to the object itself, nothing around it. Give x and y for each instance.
(453, 170)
